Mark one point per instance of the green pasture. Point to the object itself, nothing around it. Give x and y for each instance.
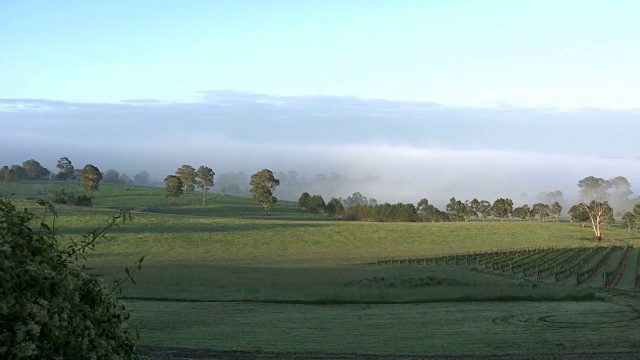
(227, 277)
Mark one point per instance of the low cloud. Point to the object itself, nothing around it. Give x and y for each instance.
(391, 151)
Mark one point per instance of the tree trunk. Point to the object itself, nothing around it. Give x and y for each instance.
(204, 197)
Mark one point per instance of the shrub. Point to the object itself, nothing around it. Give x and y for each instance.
(49, 308)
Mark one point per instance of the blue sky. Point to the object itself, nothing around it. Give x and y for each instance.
(564, 54)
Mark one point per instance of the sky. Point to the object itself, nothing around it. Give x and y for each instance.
(406, 99)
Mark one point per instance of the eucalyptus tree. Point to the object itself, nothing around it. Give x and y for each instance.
(628, 220)
(502, 208)
(542, 211)
(484, 209)
(187, 175)
(522, 212)
(304, 201)
(204, 180)
(593, 188)
(263, 183)
(91, 177)
(34, 170)
(174, 187)
(66, 169)
(620, 188)
(556, 210)
(112, 176)
(335, 208)
(593, 194)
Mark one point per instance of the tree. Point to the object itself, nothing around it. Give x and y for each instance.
(187, 175)
(91, 177)
(204, 181)
(621, 188)
(457, 210)
(541, 210)
(317, 204)
(636, 213)
(556, 210)
(522, 212)
(263, 183)
(552, 196)
(429, 213)
(578, 214)
(174, 187)
(599, 213)
(473, 207)
(304, 201)
(8, 175)
(141, 178)
(628, 220)
(50, 308)
(356, 199)
(34, 170)
(593, 193)
(502, 208)
(593, 188)
(111, 176)
(335, 208)
(484, 209)
(20, 173)
(66, 169)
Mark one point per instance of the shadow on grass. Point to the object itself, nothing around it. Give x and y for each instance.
(241, 212)
(171, 228)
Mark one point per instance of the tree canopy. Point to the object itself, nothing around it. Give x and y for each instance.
(173, 186)
(91, 177)
(204, 180)
(263, 183)
(187, 175)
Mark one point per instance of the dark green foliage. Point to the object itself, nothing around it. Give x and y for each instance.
(66, 169)
(312, 203)
(49, 308)
(204, 180)
(187, 175)
(35, 171)
(304, 201)
(263, 183)
(429, 213)
(174, 187)
(335, 208)
(63, 197)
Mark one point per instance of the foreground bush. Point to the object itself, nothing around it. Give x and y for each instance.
(49, 308)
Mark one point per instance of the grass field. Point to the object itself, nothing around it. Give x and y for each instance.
(226, 278)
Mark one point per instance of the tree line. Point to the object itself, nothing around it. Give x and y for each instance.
(593, 207)
(33, 170)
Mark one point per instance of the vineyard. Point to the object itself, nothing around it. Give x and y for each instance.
(599, 266)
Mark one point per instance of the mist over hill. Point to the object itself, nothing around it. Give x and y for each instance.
(392, 151)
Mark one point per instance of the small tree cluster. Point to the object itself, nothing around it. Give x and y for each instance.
(312, 203)
(29, 170)
(186, 179)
